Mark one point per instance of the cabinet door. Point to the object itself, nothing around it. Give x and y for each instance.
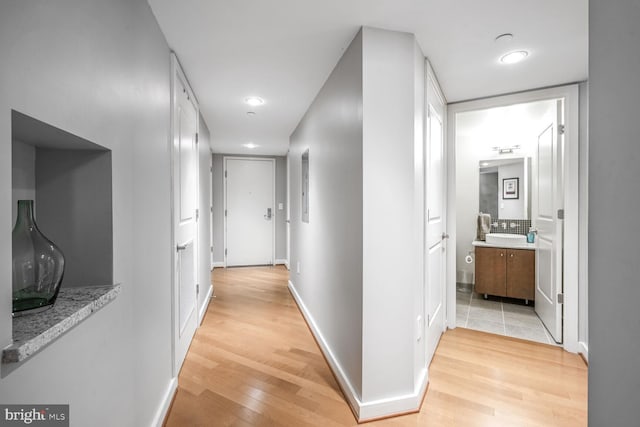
(491, 271)
(521, 265)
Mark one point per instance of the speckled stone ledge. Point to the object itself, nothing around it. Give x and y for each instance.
(34, 331)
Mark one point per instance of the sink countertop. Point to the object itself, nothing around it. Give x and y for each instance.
(527, 246)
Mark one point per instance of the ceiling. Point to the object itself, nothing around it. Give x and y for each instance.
(284, 50)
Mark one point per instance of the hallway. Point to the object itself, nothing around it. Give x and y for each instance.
(253, 362)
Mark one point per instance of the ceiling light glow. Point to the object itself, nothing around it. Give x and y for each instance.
(254, 101)
(514, 57)
(250, 145)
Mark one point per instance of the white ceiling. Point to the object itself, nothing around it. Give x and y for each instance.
(283, 51)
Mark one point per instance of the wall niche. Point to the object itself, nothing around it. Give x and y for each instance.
(70, 181)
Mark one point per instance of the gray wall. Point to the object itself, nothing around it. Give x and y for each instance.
(74, 210)
(392, 111)
(614, 249)
(99, 70)
(218, 206)
(328, 249)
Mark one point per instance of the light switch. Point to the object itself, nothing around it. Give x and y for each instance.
(280, 206)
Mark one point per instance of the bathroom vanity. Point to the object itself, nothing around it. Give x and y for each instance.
(505, 271)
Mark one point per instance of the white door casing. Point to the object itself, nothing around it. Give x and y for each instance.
(574, 216)
(211, 232)
(435, 214)
(547, 206)
(184, 205)
(249, 211)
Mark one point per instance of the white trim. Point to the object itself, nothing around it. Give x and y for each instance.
(161, 413)
(273, 200)
(398, 405)
(217, 264)
(583, 349)
(363, 410)
(571, 198)
(178, 73)
(207, 301)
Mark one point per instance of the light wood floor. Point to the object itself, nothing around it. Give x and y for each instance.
(253, 362)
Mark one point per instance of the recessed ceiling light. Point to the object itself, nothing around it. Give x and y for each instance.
(485, 164)
(506, 37)
(251, 113)
(254, 101)
(513, 57)
(250, 145)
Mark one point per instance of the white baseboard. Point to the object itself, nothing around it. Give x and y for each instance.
(158, 420)
(365, 411)
(583, 349)
(281, 262)
(398, 405)
(343, 380)
(217, 264)
(203, 309)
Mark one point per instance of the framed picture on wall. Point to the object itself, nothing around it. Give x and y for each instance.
(511, 188)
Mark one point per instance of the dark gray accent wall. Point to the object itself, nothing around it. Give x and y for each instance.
(489, 194)
(614, 203)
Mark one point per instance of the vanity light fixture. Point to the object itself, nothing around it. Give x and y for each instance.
(506, 150)
(250, 145)
(514, 57)
(254, 101)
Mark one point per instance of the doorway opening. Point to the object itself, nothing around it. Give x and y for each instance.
(514, 215)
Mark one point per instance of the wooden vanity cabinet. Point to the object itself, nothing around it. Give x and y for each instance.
(505, 272)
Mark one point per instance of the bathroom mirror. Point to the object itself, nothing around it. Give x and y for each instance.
(505, 188)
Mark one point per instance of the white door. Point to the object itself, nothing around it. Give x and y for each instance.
(185, 222)
(435, 227)
(547, 208)
(249, 208)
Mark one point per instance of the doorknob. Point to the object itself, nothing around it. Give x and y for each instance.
(445, 236)
(181, 247)
(268, 215)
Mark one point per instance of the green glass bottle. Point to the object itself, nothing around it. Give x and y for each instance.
(38, 264)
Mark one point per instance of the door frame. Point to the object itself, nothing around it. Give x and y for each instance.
(211, 214)
(178, 73)
(273, 201)
(573, 215)
(430, 79)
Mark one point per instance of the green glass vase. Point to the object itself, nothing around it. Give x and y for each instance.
(38, 264)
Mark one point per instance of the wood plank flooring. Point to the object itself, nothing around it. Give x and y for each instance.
(253, 362)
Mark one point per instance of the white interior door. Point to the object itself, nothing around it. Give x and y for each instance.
(547, 208)
(435, 225)
(185, 192)
(249, 207)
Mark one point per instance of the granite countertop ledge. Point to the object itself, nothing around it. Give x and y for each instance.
(32, 332)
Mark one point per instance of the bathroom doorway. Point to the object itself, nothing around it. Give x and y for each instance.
(516, 161)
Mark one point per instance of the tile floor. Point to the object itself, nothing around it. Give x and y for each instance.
(503, 316)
